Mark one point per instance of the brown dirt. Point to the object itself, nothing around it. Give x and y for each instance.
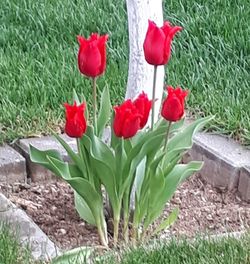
(202, 209)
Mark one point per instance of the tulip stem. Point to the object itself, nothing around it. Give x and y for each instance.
(94, 104)
(153, 98)
(167, 135)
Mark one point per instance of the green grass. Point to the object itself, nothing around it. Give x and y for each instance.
(226, 251)
(213, 59)
(38, 68)
(10, 250)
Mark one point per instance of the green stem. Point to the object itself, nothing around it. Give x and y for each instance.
(125, 227)
(94, 104)
(116, 229)
(78, 147)
(153, 98)
(103, 237)
(167, 135)
(134, 234)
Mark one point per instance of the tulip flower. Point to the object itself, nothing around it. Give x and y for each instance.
(75, 121)
(127, 120)
(143, 105)
(92, 55)
(157, 44)
(173, 106)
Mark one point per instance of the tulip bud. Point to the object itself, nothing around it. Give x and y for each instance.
(173, 106)
(157, 43)
(75, 121)
(92, 55)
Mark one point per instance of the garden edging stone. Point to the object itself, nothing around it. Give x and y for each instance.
(36, 172)
(42, 248)
(244, 183)
(12, 165)
(225, 161)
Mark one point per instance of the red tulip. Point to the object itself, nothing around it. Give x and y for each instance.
(143, 106)
(127, 120)
(75, 121)
(92, 55)
(173, 106)
(157, 44)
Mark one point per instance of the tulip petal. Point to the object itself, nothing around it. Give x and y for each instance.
(102, 48)
(89, 61)
(154, 44)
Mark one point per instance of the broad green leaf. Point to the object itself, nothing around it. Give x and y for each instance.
(104, 111)
(83, 209)
(83, 188)
(103, 162)
(156, 187)
(99, 149)
(135, 157)
(140, 176)
(74, 256)
(114, 138)
(179, 173)
(74, 157)
(40, 157)
(184, 139)
(120, 159)
(74, 171)
(167, 222)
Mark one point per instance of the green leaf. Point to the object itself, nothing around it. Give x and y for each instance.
(167, 222)
(179, 173)
(41, 157)
(74, 256)
(74, 157)
(104, 111)
(139, 176)
(83, 188)
(184, 139)
(83, 209)
(138, 152)
(120, 159)
(103, 163)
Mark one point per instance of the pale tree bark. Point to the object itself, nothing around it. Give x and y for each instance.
(140, 76)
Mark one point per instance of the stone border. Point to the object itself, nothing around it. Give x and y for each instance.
(42, 248)
(226, 162)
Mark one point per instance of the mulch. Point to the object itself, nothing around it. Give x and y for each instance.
(203, 209)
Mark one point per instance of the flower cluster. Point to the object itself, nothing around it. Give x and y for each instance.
(144, 167)
(130, 116)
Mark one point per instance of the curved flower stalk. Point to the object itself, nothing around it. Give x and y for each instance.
(137, 158)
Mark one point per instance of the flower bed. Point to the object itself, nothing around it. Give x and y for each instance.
(203, 209)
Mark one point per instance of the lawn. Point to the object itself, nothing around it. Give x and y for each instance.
(38, 68)
(10, 250)
(202, 251)
(225, 251)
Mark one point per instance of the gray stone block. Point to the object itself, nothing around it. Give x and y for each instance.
(244, 183)
(36, 172)
(42, 248)
(12, 166)
(223, 159)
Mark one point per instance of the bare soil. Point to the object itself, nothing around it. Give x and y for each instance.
(202, 209)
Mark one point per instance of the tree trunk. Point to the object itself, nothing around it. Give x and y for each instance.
(140, 76)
